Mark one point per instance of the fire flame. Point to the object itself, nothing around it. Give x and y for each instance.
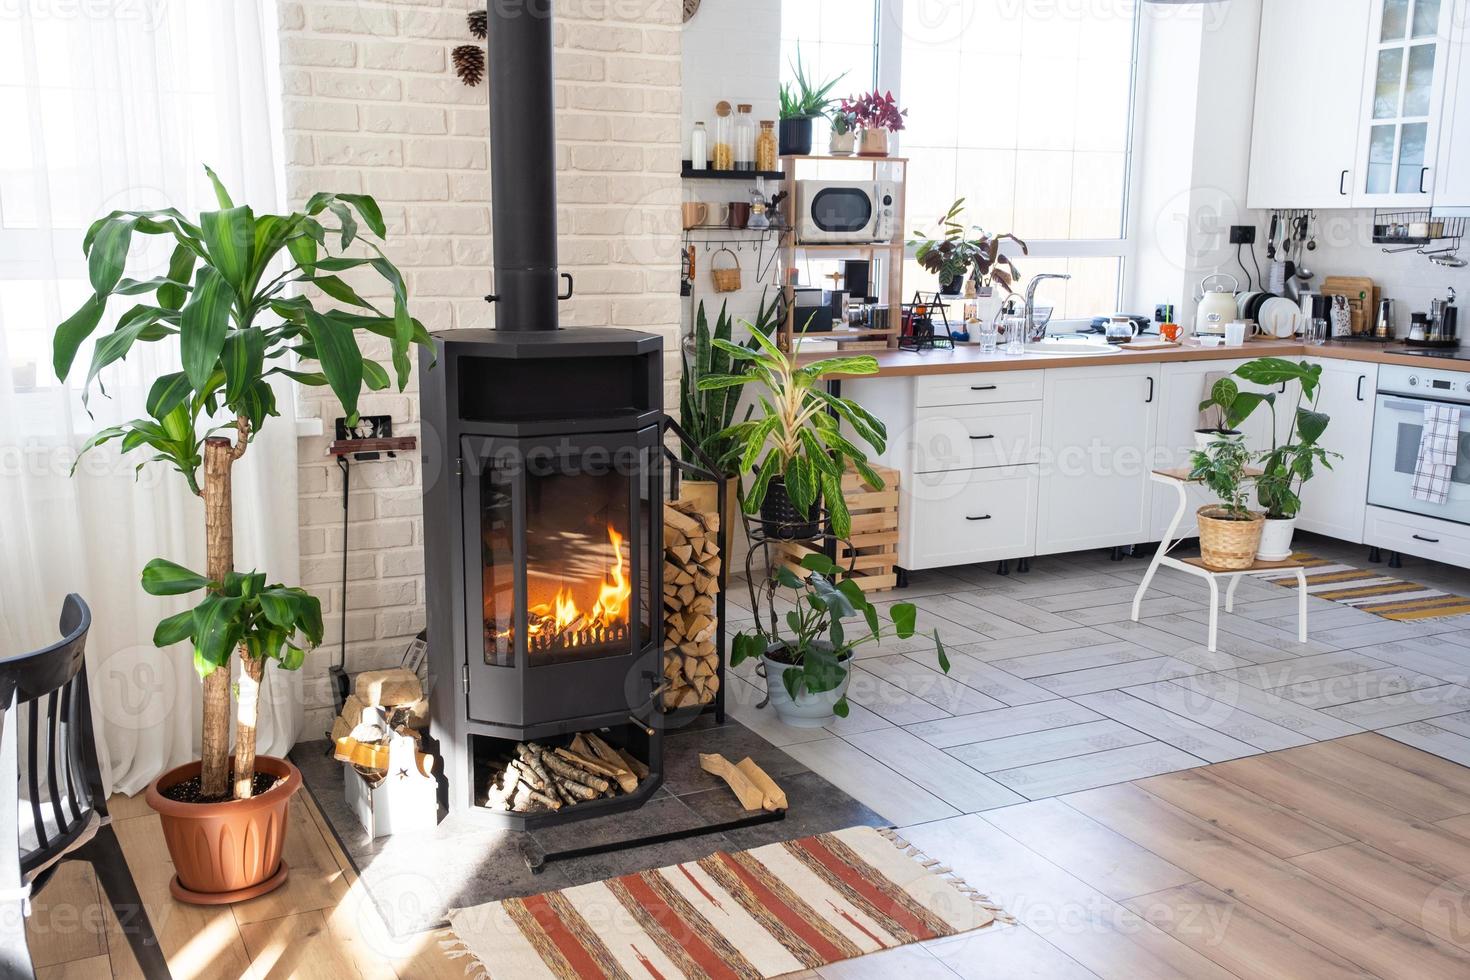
(562, 614)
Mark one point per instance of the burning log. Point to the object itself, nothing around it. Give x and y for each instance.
(691, 583)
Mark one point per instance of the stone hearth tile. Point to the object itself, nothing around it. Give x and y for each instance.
(682, 774)
(816, 807)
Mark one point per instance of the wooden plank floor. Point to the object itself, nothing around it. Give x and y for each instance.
(1348, 858)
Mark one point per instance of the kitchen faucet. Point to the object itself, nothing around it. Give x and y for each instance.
(1030, 312)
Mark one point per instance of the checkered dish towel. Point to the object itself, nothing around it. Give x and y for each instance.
(1438, 447)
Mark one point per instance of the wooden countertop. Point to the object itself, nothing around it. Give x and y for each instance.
(967, 358)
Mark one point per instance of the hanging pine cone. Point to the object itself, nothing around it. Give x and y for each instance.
(477, 22)
(469, 63)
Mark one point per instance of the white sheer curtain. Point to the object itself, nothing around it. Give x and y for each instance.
(103, 107)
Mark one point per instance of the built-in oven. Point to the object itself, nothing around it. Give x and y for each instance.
(1398, 427)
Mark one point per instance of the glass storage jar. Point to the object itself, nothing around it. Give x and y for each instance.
(765, 146)
(722, 155)
(744, 138)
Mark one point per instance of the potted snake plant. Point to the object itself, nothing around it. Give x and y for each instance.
(224, 300)
(795, 448)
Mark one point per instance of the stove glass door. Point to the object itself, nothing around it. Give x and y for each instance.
(1398, 426)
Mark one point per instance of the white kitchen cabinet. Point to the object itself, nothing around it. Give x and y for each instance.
(1311, 55)
(1096, 435)
(967, 516)
(1452, 184)
(1334, 501)
(1409, 53)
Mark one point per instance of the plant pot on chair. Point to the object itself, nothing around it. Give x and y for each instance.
(1204, 438)
(1228, 542)
(795, 136)
(781, 519)
(1276, 535)
(228, 851)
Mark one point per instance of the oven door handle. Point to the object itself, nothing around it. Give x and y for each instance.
(1416, 408)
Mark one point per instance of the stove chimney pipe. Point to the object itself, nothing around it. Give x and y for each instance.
(523, 163)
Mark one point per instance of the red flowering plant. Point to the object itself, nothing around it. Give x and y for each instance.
(874, 111)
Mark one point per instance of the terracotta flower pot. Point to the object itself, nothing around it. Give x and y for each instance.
(231, 851)
(874, 143)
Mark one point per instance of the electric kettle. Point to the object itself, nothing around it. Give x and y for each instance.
(1216, 305)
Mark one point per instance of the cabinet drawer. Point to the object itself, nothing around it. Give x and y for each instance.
(969, 516)
(967, 437)
(979, 388)
(1423, 537)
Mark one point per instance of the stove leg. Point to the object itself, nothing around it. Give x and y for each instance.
(1395, 560)
(1023, 565)
(1003, 567)
(1375, 555)
(903, 576)
(1117, 554)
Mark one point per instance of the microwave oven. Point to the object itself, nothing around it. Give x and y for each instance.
(846, 212)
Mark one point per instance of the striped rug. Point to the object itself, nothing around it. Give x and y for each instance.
(773, 910)
(1381, 595)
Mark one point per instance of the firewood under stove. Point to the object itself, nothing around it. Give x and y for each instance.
(542, 778)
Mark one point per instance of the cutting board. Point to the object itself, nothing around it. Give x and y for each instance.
(1361, 296)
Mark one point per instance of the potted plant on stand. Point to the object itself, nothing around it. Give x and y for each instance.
(1288, 464)
(877, 116)
(807, 669)
(223, 300)
(843, 139)
(801, 102)
(1231, 407)
(706, 415)
(1229, 532)
(952, 254)
(796, 448)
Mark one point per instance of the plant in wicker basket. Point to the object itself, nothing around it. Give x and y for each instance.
(1229, 532)
(796, 448)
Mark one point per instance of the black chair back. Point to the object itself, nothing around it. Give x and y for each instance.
(59, 770)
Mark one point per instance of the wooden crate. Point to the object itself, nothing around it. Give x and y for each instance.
(873, 552)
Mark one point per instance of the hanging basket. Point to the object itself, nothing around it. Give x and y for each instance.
(1228, 544)
(727, 280)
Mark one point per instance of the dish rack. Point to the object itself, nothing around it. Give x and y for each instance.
(1396, 229)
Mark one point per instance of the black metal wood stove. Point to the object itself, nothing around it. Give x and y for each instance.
(543, 487)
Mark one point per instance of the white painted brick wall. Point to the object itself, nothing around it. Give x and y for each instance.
(372, 105)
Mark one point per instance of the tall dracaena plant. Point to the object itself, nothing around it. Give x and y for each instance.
(236, 326)
(799, 437)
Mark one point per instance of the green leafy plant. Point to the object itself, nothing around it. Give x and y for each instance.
(819, 643)
(798, 436)
(224, 301)
(1222, 468)
(1233, 406)
(706, 415)
(843, 122)
(953, 252)
(266, 622)
(804, 98)
(1291, 462)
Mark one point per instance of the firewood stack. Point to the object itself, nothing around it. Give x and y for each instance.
(542, 777)
(691, 583)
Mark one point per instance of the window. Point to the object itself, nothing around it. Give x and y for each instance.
(836, 38)
(1022, 107)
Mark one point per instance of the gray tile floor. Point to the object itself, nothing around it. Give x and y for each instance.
(1054, 690)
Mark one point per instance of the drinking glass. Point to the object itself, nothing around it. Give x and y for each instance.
(986, 335)
(1317, 331)
(1015, 334)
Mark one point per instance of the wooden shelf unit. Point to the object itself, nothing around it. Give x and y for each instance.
(892, 251)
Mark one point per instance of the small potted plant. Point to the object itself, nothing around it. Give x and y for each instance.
(796, 449)
(952, 254)
(843, 139)
(1231, 407)
(807, 668)
(1229, 532)
(230, 302)
(877, 116)
(801, 102)
(1288, 464)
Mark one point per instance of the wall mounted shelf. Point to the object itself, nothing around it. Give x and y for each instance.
(689, 173)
